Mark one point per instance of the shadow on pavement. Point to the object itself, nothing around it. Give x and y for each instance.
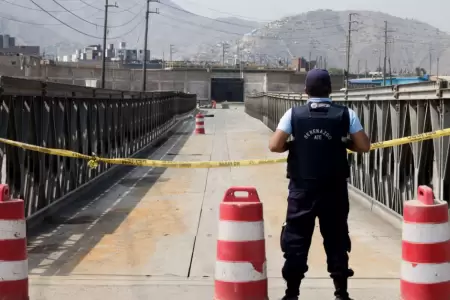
(63, 239)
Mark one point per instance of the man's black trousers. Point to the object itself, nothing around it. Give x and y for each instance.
(328, 201)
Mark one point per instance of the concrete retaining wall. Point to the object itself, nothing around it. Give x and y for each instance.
(190, 81)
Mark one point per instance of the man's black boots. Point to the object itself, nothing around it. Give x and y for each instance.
(341, 287)
(289, 298)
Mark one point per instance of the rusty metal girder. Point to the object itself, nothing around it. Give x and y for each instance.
(109, 123)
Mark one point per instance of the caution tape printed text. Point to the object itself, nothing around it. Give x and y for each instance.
(93, 160)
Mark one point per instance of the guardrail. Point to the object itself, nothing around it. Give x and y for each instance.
(107, 123)
(390, 176)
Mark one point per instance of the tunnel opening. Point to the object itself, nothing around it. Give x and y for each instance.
(227, 89)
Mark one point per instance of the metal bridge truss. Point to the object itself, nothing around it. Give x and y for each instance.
(107, 123)
(389, 175)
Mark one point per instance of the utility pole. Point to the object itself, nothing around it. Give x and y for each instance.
(144, 65)
(385, 51)
(105, 32)
(239, 58)
(172, 51)
(224, 49)
(390, 71)
(349, 44)
(238, 53)
(358, 68)
(437, 55)
(164, 60)
(431, 59)
(379, 60)
(309, 61)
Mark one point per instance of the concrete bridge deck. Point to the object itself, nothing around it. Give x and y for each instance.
(152, 233)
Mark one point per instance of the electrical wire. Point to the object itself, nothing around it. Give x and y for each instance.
(216, 20)
(230, 14)
(128, 32)
(113, 12)
(36, 9)
(196, 24)
(240, 34)
(89, 22)
(64, 23)
(75, 29)
(223, 21)
(26, 22)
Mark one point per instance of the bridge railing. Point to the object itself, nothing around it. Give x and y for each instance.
(107, 123)
(390, 175)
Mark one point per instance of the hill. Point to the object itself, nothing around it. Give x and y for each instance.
(324, 33)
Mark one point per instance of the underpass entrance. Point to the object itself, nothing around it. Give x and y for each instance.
(227, 89)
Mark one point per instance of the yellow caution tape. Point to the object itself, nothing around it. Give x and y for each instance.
(93, 161)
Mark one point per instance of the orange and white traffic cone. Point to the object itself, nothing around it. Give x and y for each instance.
(200, 124)
(241, 254)
(13, 248)
(425, 273)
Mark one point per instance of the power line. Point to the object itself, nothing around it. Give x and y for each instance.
(76, 29)
(231, 14)
(36, 9)
(64, 23)
(89, 22)
(26, 22)
(196, 24)
(128, 32)
(223, 21)
(240, 34)
(75, 15)
(215, 20)
(102, 10)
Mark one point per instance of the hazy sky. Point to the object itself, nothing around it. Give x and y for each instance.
(434, 12)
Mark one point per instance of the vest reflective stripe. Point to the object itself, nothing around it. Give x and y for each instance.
(318, 151)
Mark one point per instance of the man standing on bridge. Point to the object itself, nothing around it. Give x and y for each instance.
(318, 171)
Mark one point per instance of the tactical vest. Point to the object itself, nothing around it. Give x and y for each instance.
(318, 151)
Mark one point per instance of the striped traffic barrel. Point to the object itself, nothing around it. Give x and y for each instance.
(240, 272)
(425, 270)
(13, 248)
(200, 124)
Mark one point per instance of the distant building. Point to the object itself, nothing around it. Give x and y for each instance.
(24, 50)
(140, 55)
(5, 39)
(8, 47)
(300, 64)
(121, 54)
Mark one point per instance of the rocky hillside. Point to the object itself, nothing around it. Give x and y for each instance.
(323, 33)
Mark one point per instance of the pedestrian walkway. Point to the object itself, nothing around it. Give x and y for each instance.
(152, 233)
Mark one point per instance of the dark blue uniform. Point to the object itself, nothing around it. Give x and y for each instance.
(318, 171)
